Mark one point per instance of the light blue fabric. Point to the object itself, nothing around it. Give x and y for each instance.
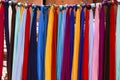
(20, 47)
(17, 25)
(63, 32)
(118, 45)
(91, 40)
(59, 48)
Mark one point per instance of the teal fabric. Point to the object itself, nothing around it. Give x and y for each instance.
(17, 25)
(118, 45)
(59, 45)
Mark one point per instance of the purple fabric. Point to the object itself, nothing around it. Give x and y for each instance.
(65, 74)
(101, 43)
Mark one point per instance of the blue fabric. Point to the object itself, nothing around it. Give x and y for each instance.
(45, 12)
(72, 20)
(40, 53)
(59, 54)
(32, 56)
(43, 21)
(81, 43)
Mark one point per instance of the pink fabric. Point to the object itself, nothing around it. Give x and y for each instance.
(95, 61)
(1, 37)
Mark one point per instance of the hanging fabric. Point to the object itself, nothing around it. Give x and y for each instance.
(118, 44)
(20, 46)
(101, 42)
(107, 45)
(76, 45)
(1, 37)
(54, 45)
(40, 50)
(32, 58)
(95, 61)
(26, 44)
(61, 20)
(41, 41)
(9, 27)
(48, 51)
(6, 26)
(10, 18)
(72, 22)
(81, 43)
(64, 42)
(86, 47)
(65, 73)
(17, 25)
(91, 42)
(10, 61)
(31, 20)
(112, 51)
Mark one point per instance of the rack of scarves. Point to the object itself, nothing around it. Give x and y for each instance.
(66, 42)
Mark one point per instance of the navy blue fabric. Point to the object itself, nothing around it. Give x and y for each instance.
(72, 20)
(6, 30)
(81, 43)
(6, 26)
(32, 56)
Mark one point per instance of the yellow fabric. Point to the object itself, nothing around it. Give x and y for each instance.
(76, 46)
(21, 11)
(48, 51)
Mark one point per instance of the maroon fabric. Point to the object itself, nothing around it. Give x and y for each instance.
(65, 74)
(101, 43)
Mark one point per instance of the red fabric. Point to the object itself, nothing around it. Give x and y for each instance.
(54, 46)
(86, 48)
(112, 44)
(1, 37)
(26, 46)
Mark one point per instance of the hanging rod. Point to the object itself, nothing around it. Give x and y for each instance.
(26, 4)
